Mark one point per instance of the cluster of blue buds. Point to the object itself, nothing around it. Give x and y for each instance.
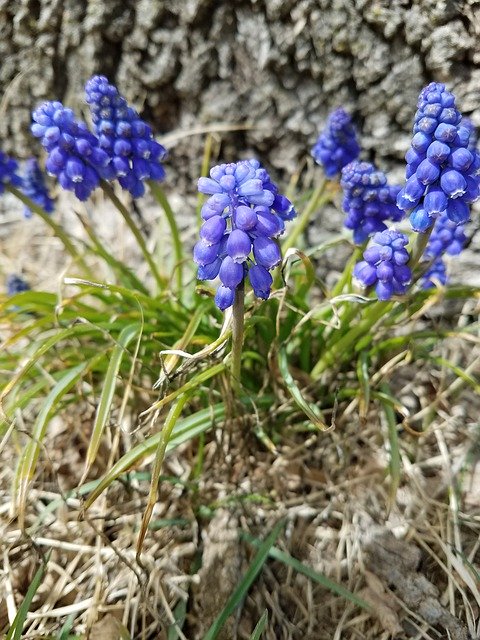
(436, 273)
(16, 284)
(242, 219)
(447, 238)
(368, 200)
(124, 136)
(442, 172)
(385, 265)
(33, 186)
(74, 153)
(337, 144)
(8, 168)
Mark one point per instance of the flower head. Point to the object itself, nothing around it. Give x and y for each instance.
(243, 216)
(384, 264)
(8, 167)
(436, 273)
(125, 137)
(16, 284)
(447, 237)
(74, 154)
(337, 144)
(33, 186)
(442, 170)
(368, 200)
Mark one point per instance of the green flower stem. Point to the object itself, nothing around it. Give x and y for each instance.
(419, 247)
(162, 200)
(58, 231)
(238, 327)
(341, 349)
(319, 197)
(107, 189)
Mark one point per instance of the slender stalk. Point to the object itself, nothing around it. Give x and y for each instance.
(317, 198)
(238, 326)
(162, 200)
(58, 232)
(419, 247)
(107, 189)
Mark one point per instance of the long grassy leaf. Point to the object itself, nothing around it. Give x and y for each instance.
(241, 591)
(260, 626)
(317, 577)
(165, 435)
(16, 630)
(310, 410)
(108, 391)
(184, 430)
(395, 461)
(31, 453)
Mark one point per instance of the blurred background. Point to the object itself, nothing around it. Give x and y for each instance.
(276, 65)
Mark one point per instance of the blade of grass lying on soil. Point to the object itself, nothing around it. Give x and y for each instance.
(28, 461)
(16, 630)
(164, 438)
(260, 626)
(108, 391)
(310, 410)
(241, 591)
(317, 577)
(394, 462)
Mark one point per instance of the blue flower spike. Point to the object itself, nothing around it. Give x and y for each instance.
(368, 200)
(74, 153)
(128, 141)
(385, 265)
(8, 175)
(16, 284)
(443, 166)
(337, 145)
(33, 186)
(242, 220)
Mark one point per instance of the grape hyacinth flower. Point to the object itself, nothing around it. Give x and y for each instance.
(337, 144)
(442, 171)
(368, 200)
(8, 175)
(473, 136)
(74, 154)
(125, 137)
(447, 237)
(385, 265)
(243, 217)
(33, 186)
(436, 273)
(16, 284)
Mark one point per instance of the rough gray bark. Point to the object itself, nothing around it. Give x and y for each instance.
(281, 64)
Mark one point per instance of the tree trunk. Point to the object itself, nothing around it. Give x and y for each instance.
(279, 64)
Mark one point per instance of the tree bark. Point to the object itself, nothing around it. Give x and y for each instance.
(278, 64)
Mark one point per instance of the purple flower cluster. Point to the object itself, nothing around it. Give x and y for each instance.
(74, 153)
(368, 200)
(442, 172)
(447, 237)
(33, 186)
(242, 219)
(16, 284)
(337, 144)
(8, 168)
(436, 273)
(124, 136)
(385, 265)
